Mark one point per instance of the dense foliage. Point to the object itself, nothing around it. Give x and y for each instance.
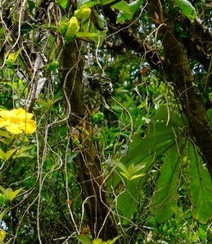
(105, 121)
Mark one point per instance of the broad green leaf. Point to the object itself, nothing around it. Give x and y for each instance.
(200, 187)
(187, 8)
(63, 3)
(160, 137)
(134, 6)
(9, 193)
(104, 2)
(122, 6)
(83, 239)
(170, 116)
(166, 195)
(127, 201)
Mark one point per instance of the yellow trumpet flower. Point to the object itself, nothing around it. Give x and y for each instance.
(17, 121)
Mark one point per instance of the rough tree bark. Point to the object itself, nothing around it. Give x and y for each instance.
(87, 163)
(179, 74)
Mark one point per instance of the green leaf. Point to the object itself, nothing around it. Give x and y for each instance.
(2, 199)
(83, 12)
(53, 66)
(122, 6)
(2, 235)
(87, 34)
(23, 152)
(200, 187)
(166, 195)
(104, 2)
(63, 3)
(6, 156)
(134, 6)
(87, 3)
(83, 239)
(136, 176)
(94, 35)
(9, 193)
(3, 213)
(187, 8)
(209, 114)
(114, 240)
(161, 137)
(100, 241)
(73, 28)
(127, 201)
(5, 134)
(129, 173)
(31, 5)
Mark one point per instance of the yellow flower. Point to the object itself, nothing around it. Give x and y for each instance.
(17, 121)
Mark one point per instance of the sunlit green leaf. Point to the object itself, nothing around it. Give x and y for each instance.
(100, 241)
(83, 239)
(6, 155)
(136, 176)
(2, 235)
(5, 134)
(86, 34)
(9, 193)
(87, 3)
(129, 173)
(122, 6)
(104, 2)
(63, 3)
(122, 167)
(133, 6)
(187, 8)
(83, 12)
(23, 152)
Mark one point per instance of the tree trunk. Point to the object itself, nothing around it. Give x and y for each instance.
(179, 74)
(87, 163)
